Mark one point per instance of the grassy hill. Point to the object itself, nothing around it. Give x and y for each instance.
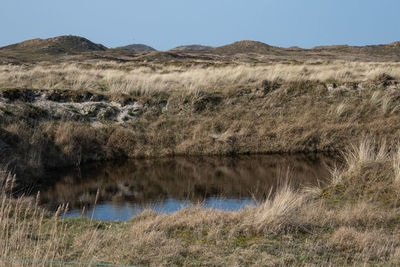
(47, 49)
(138, 48)
(75, 48)
(385, 52)
(390, 51)
(194, 47)
(245, 47)
(60, 44)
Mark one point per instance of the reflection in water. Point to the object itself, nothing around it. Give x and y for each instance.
(108, 211)
(166, 185)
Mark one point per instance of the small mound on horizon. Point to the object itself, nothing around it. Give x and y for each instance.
(375, 46)
(57, 45)
(331, 47)
(138, 48)
(195, 47)
(246, 46)
(395, 44)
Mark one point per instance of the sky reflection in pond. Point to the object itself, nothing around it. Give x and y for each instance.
(166, 185)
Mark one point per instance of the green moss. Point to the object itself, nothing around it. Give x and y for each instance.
(5, 110)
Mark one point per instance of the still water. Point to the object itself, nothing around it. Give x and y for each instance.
(167, 185)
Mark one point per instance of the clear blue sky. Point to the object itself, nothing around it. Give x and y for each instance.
(164, 24)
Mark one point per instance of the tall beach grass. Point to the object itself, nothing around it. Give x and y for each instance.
(129, 78)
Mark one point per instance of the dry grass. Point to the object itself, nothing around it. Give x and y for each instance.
(385, 101)
(203, 110)
(365, 153)
(276, 214)
(23, 228)
(396, 166)
(312, 227)
(127, 78)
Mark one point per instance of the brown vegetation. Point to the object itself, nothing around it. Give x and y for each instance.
(110, 110)
(153, 79)
(67, 48)
(350, 222)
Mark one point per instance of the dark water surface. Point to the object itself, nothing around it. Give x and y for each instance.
(166, 185)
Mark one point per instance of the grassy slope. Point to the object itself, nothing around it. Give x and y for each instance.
(261, 117)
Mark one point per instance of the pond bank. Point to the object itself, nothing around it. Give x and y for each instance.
(352, 220)
(47, 129)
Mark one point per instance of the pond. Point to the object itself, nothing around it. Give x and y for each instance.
(166, 185)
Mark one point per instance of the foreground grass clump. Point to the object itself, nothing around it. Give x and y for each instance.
(353, 221)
